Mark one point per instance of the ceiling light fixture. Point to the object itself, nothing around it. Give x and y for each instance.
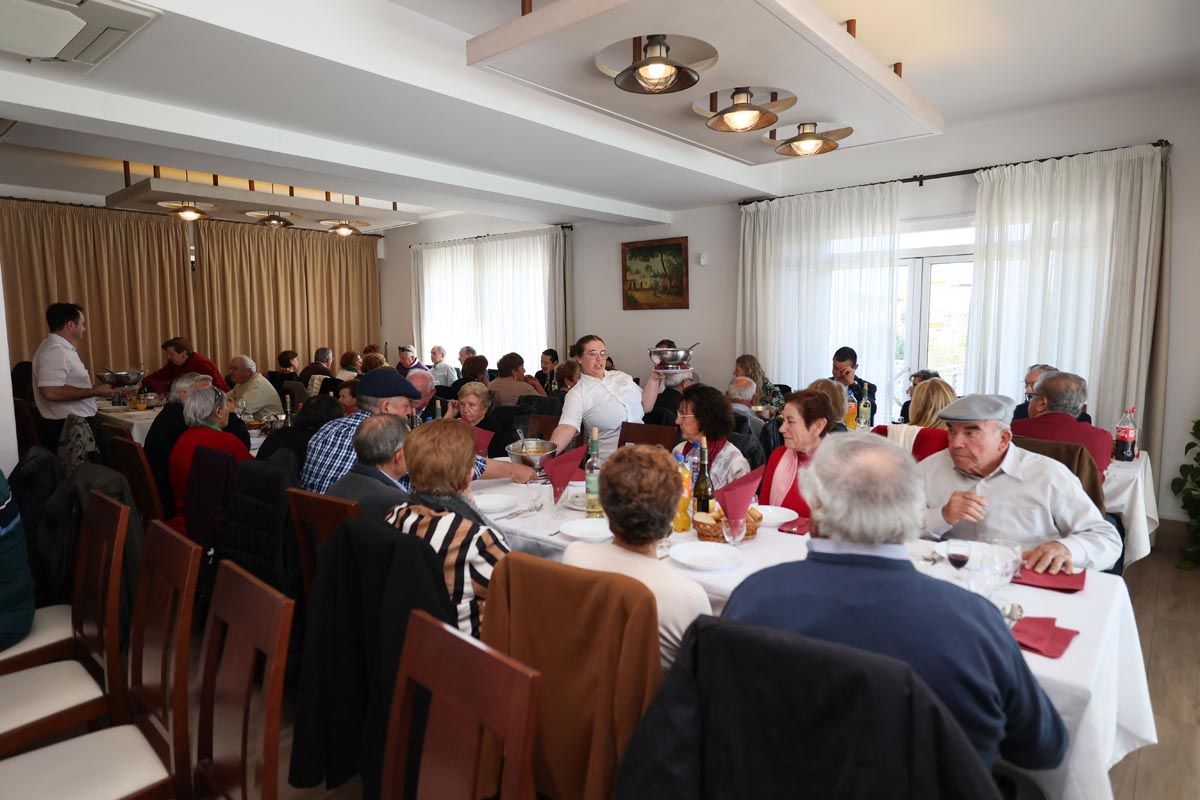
(655, 73)
(187, 211)
(743, 115)
(276, 221)
(808, 142)
(341, 227)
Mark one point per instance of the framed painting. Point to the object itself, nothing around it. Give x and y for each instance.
(654, 274)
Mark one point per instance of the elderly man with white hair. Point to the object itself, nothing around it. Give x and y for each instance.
(252, 387)
(858, 588)
(984, 487)
(741, 393)
(443, 373)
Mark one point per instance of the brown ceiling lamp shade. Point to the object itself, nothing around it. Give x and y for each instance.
(656, 73)
(742, 115)
(808, 142)
(275, 221)
(341, 227)
(187, 211)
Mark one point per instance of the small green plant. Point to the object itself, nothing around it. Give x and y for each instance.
(1187, 488)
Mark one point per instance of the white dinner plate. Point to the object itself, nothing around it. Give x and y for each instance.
(706, 555)
(495, 503)
(576, 500)
(774, 516)
(587, 530)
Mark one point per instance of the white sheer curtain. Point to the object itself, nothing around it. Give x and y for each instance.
(498, 294)
(818, 271)
(1067, 261)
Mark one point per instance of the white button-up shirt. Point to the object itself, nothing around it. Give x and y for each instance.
(603, 404)
(56, 363)
(1030, 500)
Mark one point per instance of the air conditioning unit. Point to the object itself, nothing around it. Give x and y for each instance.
(81, 33)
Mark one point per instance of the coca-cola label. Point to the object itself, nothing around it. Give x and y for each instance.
(1126, 434)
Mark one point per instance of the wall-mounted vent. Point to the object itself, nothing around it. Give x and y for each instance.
(72, 32)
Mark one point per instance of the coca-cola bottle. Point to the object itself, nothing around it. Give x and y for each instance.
(1125, 437)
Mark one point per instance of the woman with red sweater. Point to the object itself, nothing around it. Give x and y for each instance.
(182, 359)
(206, 413)
(807, 418)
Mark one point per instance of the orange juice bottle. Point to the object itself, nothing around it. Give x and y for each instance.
(683, 521)
(851, 414)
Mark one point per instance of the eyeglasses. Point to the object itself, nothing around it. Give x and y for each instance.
(596, 353)
(679, 415)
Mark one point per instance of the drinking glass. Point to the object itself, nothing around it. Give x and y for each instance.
(241, 409)
(958, 552)
(1008, 553)
(734, 529)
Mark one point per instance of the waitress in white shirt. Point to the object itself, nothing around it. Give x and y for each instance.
(603, 400)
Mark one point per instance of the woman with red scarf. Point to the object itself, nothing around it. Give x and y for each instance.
(807, 417)
(704, 412)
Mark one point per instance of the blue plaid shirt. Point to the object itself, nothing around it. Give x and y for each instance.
(331, 455)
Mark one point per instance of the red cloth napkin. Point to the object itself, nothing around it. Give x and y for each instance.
(1042, 635)
(1062, 582)
(482, 439)
(735, 497)
(799, 526)
(562, 469)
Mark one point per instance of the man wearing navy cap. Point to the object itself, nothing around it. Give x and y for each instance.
(382, 391)
(985, 488)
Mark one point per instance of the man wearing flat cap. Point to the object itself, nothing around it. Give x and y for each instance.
(331, 451)
(984, 487)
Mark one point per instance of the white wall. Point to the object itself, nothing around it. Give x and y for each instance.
(8, 423)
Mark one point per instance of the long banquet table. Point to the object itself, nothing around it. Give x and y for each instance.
(138, 423)
(1098, 686)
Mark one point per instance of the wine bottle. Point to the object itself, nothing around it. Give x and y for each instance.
(287, 419)
(591, 470)
(702, 491)
(437, 408)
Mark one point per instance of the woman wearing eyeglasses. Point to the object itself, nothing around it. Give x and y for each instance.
(704, 412)
(206, 413)
(602, 399)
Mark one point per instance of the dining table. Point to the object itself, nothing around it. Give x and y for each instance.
(1098, 685)
(1130, 493)
(138, 422)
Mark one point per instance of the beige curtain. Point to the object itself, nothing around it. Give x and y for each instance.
(261, 290)
(127, 270)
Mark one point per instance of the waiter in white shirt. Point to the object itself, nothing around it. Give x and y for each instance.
(985, 488)
(602, 399)
(61, 384)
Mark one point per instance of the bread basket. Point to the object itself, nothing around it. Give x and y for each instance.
(713, 531)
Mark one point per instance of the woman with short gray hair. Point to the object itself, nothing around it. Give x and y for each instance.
(206, 413)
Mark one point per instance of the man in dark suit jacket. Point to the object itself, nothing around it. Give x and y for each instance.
(373, 480)
(845, 364)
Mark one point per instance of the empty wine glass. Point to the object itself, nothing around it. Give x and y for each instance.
(1009, 555)
(733, 529)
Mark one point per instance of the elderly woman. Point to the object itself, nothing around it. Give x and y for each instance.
(566, 375)
(807, 418)
(639, 490)
(474, 370)
(603, 400)
(704, 412)
(836, 393)
(373, 361)
(926, 434)
(472, 406)
(206, 414)
(182, 359)
(747, 366)
(440, 458)
(348, 396)
(350, 365)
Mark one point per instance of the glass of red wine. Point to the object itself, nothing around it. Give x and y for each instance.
(958, 552)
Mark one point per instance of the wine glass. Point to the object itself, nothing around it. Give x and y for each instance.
(958, 552)
(241, 409)
(1009, 555)
(733, 529)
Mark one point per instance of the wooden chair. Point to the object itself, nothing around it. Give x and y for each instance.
(474, 688)
(637, 433)
(129, 459)
(40, 695)
(315, 517)
(151, 757)
(247, 621)
(541, 426)
(114, 432)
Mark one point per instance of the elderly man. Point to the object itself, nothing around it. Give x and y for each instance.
(374, 480)
(382, 391)
(443, 373)
(858, 588)
(424, 383)
(1031, 378)
(984, 487)
(740, 394)
(407, 361)
(511, 382)
(320, 368)
(1054, 410)
(252, 387)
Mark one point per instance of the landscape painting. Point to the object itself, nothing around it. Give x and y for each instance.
(654, 274)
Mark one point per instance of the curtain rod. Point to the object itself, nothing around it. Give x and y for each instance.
(564, 227)
(920, 179)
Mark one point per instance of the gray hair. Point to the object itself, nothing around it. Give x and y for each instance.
(200, 408)
(742, 389)
(437, 348)
(183, 385)
(247, 362)
(1040, 368)
(673, 380)
(1064, 392)
(420, 376)
(885, 503)
(323, 354)
(470, 351)
(378, 439)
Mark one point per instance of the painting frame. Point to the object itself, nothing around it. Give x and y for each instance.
(644, 289)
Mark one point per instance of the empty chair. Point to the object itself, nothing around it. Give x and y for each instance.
(315, 517)
(637, 433)
(40, 695)
(541, 426)
(297, 391)
(129, 459)
(537, 404)
(247, 621)
(114, 431)
(473, 688)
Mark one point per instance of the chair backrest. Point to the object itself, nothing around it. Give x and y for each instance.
(248, 623)
(444, 393)
(95, 607)
(315, 517)
(114, 431)
(473, 688)
(550, 406)
(659, 416)
(541, 426)
(637, 433)
(298, 391)
(160, 646)
(27, 431)
(206, 498)
(330, 386)
(749, 447)
(129, 459)
(1074, 457)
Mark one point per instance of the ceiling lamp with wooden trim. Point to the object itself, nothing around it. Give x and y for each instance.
(656, 73)
(808, 142)
(341, 227)
(187, 210)
(272, 219)
(742, 115)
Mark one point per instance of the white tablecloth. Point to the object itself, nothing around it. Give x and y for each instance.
(136, 422)
(1130, 493)
(1098, 686)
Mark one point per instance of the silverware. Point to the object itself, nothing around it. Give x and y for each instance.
(1014, 613)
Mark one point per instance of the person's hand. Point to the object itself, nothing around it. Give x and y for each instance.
(532, 381)
(522, 473)
(964, 507)
(104, 390)
(451, 409)
(654, 377)
(1052, 557)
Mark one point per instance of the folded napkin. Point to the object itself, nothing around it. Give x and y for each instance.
(483, 438)
(562, 469)
(799, 526)
(735, 497)
(1042, 635)
(1062, 582)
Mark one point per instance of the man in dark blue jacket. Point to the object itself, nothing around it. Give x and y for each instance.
(16, 581)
